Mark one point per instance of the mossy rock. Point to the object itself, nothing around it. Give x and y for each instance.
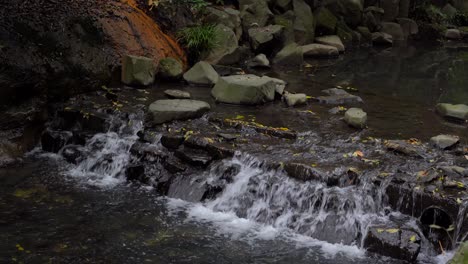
(325, 21)
(170, 68)
(461, 257)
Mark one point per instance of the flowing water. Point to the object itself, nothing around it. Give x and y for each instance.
(55, 212)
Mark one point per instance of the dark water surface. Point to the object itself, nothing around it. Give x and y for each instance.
(46, 217)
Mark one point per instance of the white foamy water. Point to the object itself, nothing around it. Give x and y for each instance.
(109, 153)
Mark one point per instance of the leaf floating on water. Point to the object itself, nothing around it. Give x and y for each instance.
(358, 153)
(239, 117)
(412, 238)
(19, 247)
(433, 226)
(459, 201)
(380, 230)
(393, 230)
(450, 228)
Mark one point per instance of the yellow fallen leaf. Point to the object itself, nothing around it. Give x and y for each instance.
(19, 247)
(393, 230)
(412, 238)
(358, 153)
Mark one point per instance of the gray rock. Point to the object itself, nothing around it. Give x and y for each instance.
(137, 70)
(224, 52)
(391, 8)
(350, 10)
(319, 50)
(452, 34)
(228, 17)
(295, 99)
(381, 38)
(331, 40)
(304, 26)
(177, 109)
(449, 10)
(356, 117)
(394, 30)
(264, 39)
(409, 26)
(170, 68)
(291, 55)
(255, 14)
(259, 61)
(338, 96)
(365, 34)
(325, 21)
(393, 241)
(177, 94)
(445, 141)
(280, 85)
(201, 73)
(244, 89)
(459, 111)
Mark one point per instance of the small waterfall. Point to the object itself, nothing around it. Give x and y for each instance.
(108, 153)
(332, 214)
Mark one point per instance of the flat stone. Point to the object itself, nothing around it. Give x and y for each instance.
(201, 73)
(244, 89)
(445, 141)
(356, 117)
(194, 157)
(331, 40)
(459, 112)
(178, 109)
(295, 99)
(319, 50)
(177, 94)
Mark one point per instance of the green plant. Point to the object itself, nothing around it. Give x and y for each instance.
(199, 39)
(429, 14)
(460, 19)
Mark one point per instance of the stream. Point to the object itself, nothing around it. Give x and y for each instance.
(52, 211)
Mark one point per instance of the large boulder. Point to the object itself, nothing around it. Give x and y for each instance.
(266, 39)
(304, 26)
(244, 89)
(259, 61)
(73, 46)
(356, 117)
(201, 73)
(345, 33)
(459, 112)
(331, 40)
(350, 10)
(170, 69)
(409, 26)
(394, 30)
(392, 241)
(163, 111)
(290, 55)
(255, 14)
(392, 9)
(325, 21)
(319, 50)
(225, 52)
(137, 70)
(228, 17)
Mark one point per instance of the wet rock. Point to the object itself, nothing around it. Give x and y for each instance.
(319, 51)
(259, 61)
(194, 157)
(54, 141)
(266, 39)
(79, 118)
(461, 256)
(356, 117)
(228, 17)
(457, 112)
(147, 152)
(170, 69)
(173, 165)
(244, 89)
(392, 241)
(290, 55)
(303, 26)
(454, 171)
(172, 141)
(178, 109)
(391, 8)
(271, 131)
(223, 70)
(9, 153)
(225, 53)
(452, 34)
(303, 172)
(217, 151)
(73, 153)
(381, 38)
(394, 30)
(338, 96)
(445, 141)
(201, 73)
(177, 94)
(138, 70)
(280, 85)
(331, 40)
(295, 99)
(403, 147)
(228, 137)
(435, 222)
(136, 173)
(325, 21)
(148, 136)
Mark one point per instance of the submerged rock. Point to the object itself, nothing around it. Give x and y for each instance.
(170, 69)
(356, 117)
(403, 147)
(392, 241)
(137, 70)
(244, 89)
(177, 94)
(319, 50)
(331, 40)
(201, 73)
(338, 96)
(178, 109)
(445, 141)
(459, 112)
